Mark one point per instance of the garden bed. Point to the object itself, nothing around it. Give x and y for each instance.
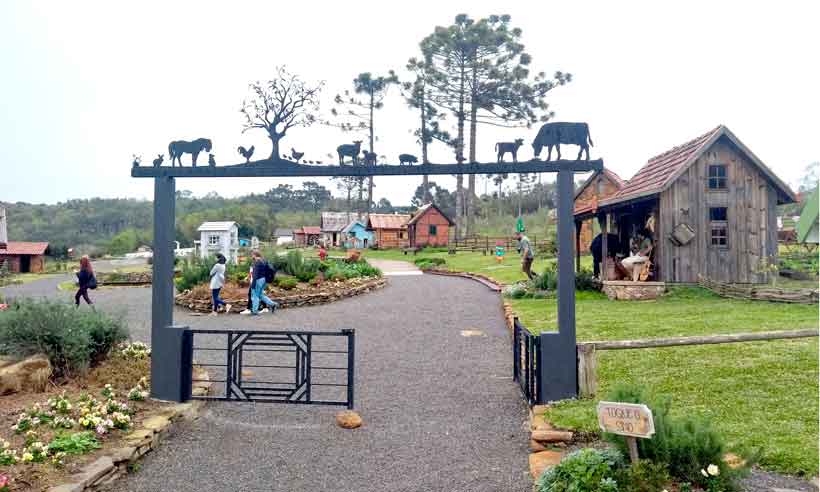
(301, 294)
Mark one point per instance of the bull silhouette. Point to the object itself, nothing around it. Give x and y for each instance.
(554, 134)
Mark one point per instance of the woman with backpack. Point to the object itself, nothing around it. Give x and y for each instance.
(262, 273)
(85, 280)
(217, 282)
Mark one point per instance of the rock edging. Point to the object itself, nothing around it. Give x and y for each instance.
(546, 444)
(114, 464)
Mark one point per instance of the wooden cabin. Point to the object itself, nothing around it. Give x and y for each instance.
(307, 236)
(599, 186)
(389, 230)
(429, 226)
(356, 235)
(23, 257)
(332, 224)
(710, 205)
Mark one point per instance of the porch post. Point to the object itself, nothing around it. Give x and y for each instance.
(166, 342)
(558, 363)
(578, 225)
(603, 221)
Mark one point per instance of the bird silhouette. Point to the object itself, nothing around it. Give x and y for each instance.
(246, 153)
(296, 155)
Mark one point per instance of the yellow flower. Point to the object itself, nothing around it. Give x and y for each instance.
(28, 456)
(713, 470)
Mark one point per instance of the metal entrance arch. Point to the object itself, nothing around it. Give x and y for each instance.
(557, 351)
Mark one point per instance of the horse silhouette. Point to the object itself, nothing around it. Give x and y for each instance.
(179, 147)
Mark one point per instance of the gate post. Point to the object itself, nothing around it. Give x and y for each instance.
(166, 342)
(351, 365)
(558, 360)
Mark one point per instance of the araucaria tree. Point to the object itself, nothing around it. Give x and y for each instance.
(355, 112)
(280, 104)
(481, 67)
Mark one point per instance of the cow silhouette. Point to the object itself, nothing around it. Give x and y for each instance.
(409, 159)
(349, 150)
(554, 134)
(511, 147)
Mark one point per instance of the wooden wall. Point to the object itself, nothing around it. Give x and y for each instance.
(600, 188)
(420, 231)
(391, 238)
(37, 263)
(751, 221)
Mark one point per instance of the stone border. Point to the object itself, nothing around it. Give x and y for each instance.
(487, 281)
(294, 300)
(114, 464)
(547, 444)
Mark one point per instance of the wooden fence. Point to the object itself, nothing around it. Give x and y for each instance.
(588, 364)
(486, 244)
(760, 292)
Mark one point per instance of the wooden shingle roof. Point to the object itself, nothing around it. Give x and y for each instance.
(423, 209)
(24, 248)
(387, 221)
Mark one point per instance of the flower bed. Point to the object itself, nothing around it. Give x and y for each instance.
(46, 438)
(300, 294)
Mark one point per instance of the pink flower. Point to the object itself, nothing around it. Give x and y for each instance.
(4, 480)
(3, 307)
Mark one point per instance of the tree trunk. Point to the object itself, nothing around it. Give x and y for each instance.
(500, 202)
(274, 141)
(370, 178)
(459, 205)
(460, 156)
(425, 181)
(469, 205)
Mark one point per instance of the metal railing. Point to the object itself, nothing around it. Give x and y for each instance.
(298, 367)
(526, 361)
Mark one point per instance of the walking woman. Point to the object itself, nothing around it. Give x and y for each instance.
(85, 280)
(217, 282)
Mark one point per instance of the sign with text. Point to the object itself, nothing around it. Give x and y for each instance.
(626, 419)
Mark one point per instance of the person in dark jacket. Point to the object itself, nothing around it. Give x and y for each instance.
(258, 281)
(85, 280)
(596, 248)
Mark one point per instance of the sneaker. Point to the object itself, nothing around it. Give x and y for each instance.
(247, 311)
(264, 311)
(227, 308)
(213, 313)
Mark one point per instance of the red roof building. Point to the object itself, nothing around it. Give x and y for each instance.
(429, 226)
(23, 257)
(307, 236)
(389, 230)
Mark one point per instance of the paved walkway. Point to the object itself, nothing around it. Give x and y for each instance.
(441, 411)
(393, 268)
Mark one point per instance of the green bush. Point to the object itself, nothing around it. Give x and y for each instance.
(584, 280)
(585, 470)
(72, 339)
(644, 476)
(684, 444)
(804, 262)
(431, 261)
(286, 283)
(340, 270)
(548, 280)
(77, 443)
(196, 271)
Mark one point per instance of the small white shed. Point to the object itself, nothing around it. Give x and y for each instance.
(219, 237)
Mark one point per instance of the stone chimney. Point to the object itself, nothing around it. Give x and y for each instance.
(3, 232)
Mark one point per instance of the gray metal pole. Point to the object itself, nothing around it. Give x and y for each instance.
(558, 364)
(166, 342)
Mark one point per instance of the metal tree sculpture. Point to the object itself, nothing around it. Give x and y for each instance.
(279, 104)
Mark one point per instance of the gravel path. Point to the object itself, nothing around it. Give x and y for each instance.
(440, 410)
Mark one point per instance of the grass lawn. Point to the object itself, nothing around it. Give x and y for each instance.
(24, 278)
(758, 394)
(508, 272)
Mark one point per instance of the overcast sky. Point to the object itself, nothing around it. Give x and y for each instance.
(84, 85)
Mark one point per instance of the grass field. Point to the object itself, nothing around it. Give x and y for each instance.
(758, 394)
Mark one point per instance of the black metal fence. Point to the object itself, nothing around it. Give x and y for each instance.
(299, 367)
(526, 361)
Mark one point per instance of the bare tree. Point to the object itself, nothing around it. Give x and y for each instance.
(279, 104)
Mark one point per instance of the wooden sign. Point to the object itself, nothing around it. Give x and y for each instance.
(625, 419)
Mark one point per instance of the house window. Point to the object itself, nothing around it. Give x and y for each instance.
(433, 230)
(718, 227)
(213, 240)
(401, 234)
(717, 177)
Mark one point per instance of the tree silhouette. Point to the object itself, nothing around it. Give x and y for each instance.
(280, 104)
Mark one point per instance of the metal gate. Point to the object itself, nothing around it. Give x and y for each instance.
(299, 367)
(526, 361)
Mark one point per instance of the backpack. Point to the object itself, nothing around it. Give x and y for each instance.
(92, 282)
(270, 273)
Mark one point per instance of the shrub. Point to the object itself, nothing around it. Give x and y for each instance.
(548, 280)
(685, 444)
(286, 283)
(644, 476)
(431, 261)
(72, 339)
(585, 470)
(584, 280)
(77, 443)
(196, 271)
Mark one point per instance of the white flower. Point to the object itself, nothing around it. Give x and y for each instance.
(713, 470)
(703, 472)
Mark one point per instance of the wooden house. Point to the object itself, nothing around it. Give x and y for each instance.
(307, 236)
(429, 226)
(389, 230)
(710, 205)
(219, 237)
(599, 186)
(331, 225)
(356, 235)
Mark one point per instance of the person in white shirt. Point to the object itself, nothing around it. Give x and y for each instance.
(217, 282)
